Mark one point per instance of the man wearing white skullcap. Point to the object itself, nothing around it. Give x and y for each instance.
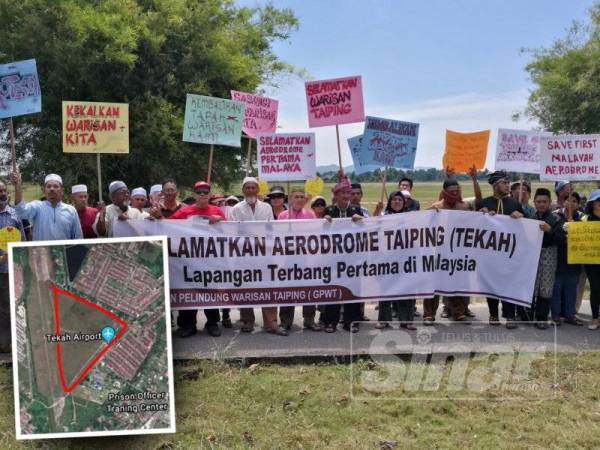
(51, 218)
(155, 194)
(119, 210)
(87, 215)
(251, 209)
(138, 198)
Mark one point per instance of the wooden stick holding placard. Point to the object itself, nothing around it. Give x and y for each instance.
(210, 161)
(248, 156)
(383, 180)
(521, 181)
(12, 145)
(339, 148)
(99, 177)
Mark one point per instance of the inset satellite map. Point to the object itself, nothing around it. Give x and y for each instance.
(91, 339)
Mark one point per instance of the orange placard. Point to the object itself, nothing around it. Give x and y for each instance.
(463, 150)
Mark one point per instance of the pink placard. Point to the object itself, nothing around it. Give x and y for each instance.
(260, 115)
(333, 102)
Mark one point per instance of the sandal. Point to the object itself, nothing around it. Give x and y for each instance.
(351, 328)
(247, 327)
(428, 320)
(312, 326)
(574, 321)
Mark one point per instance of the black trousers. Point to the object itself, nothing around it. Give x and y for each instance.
(187, 317)
(508, 309)
(4, 310)
(593, 273)
(352, 313)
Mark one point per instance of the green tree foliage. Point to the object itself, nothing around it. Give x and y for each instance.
(567, 78)
(148, 53)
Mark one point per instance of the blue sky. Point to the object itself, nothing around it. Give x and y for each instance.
(445, 64)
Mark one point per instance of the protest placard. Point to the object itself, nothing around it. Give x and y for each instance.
(518, 150)
(98, 345)
(583, 243)
(95, 127)
(8, 234)
(20, 91)
(464, 150)
(304, 262)
(389, 143)
(260, 115)
(335, 101)
(286, 156)
(570, 157)
(212, 120)
(359, 157)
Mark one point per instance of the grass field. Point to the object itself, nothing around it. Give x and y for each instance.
(309, 406)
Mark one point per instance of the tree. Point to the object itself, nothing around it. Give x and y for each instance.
(150, 54)
(567, 78)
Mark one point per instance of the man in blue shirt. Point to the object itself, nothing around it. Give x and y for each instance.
(51, 218)
(8, 220)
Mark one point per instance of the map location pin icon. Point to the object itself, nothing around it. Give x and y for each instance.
(108, 333)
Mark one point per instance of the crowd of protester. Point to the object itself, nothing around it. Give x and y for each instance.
(559, 286)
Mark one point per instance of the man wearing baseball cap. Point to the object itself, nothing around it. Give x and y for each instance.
(87, 215)
(186, 320)
(51, 218)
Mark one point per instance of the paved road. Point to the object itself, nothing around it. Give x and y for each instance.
(443, 337)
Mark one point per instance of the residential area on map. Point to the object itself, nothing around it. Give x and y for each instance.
(91, 338)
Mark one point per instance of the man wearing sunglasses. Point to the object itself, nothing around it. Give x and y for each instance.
(186, 320)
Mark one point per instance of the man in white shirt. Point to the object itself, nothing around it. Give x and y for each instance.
(118, 210)
(252, 209)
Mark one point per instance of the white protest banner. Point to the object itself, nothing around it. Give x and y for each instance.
(518, 150)
(286, 156)
(418, 254)
(570, 157)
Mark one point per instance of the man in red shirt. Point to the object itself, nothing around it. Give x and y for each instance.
(87, 215)
(186, 320)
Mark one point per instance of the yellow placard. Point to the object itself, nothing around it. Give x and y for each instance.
(263, 188)
(314, 187)
(463, 150)
(583, 243)
(94, 127)
(9, 234)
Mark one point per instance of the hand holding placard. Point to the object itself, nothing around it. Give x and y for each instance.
(464, 150)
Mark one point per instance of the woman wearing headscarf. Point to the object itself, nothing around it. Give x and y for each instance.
(592, 214)
(396, 204)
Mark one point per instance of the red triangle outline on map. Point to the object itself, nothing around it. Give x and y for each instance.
(57, 290)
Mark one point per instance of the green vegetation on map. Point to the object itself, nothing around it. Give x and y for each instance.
(71, 378)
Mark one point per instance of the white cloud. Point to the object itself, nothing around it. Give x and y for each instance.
(465, 112)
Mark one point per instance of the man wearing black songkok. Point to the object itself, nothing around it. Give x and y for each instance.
(501, 203)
